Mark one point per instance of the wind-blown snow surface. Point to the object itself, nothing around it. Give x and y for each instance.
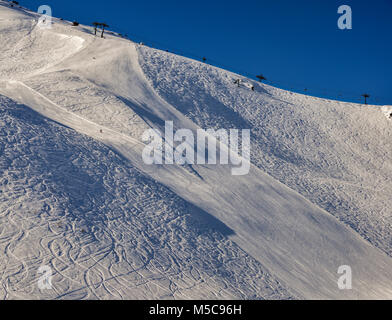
(107, 230)
(112, 227)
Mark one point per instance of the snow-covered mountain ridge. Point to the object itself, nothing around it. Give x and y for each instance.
(317, 196)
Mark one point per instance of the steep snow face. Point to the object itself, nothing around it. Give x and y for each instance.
(105, 229)
(28, 49)
(281, 239)
(387, 111)
(338, 155)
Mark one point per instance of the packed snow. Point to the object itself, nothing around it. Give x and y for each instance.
(387, 111)
(77, 197)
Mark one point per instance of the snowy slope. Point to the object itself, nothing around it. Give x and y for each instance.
(338, 155)
(106, 230)
(181, 231)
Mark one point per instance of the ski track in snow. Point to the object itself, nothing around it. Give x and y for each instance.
(111, 228)
(338, 155)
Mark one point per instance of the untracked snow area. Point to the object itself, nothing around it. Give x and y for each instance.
(75, 194)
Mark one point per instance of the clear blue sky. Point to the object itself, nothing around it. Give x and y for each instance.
(295, 44)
